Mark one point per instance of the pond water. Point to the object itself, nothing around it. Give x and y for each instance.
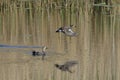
(28, 26)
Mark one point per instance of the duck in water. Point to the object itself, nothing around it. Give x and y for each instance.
(42, 53)
(67, 31)
(66, 66)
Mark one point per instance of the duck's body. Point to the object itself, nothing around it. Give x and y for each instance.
(43, 53)
(35, 53)
(67, 31)
(66, 66)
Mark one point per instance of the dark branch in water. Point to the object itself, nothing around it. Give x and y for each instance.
(10, 46)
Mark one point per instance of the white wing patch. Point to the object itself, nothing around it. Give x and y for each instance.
(70, 30)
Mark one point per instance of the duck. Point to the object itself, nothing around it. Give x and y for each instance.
(66, 66)
(42, 53)
(67, 31)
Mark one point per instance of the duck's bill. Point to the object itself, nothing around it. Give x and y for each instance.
(58, 30)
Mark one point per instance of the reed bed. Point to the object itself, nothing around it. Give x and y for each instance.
(34, 22)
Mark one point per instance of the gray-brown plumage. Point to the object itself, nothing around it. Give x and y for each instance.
(67, 31)
(66, 66)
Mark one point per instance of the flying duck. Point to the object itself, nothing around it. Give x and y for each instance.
(67, 31)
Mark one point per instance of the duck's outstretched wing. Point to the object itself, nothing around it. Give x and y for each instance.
(70, 63)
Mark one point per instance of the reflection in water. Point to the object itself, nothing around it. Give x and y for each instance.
(66, 66)
(67, 31)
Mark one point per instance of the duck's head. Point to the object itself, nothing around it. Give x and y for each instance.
(56, 65)
(60, 30)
